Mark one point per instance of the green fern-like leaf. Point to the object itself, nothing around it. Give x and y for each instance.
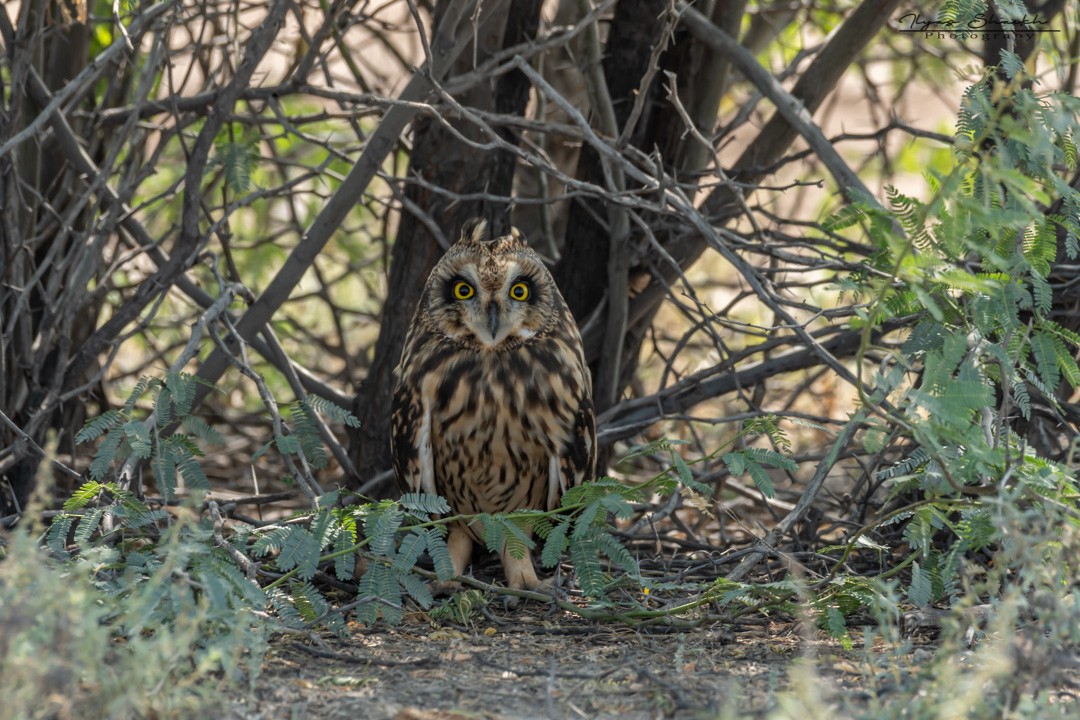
(164, 405)
(271, 542)
(541, 526)
(418, 590)
(343, 563)
(96, 427)
(760, 477)
(735, 462)
(333, 411)
(589, 517)
(183, 386)
(390, 590)
(287, 444)
(163, 465)
(200, 429)
(309, 602)
(1021, 398)
(286, 611)
(686, 475)
(958, 12)
(1046, 357)
(1068, 367)
(322, 528)
(239, 160)
(583, 554)
(411, 548)
(912, 216)
(920, 591)
(961, 397)
(1065, 334)
(766, 456)
(306, 433)
(381, 523)
(189, 467)
(976, 528)
(113, 446)
(296, 547)
(1043, 293)
(1034, 380)
(494, 532)
(1011, 64)
(84, 495)
(618, 506)
(651, 448)
(425, 504)
(845, 217)
(133, 519)
(617, 553)
(555, 544)
(230, 586)
(88, 525)
(769, 426)
(140, 389)
(518, 543)
(743, 461)
(440, 555)
(591, 491)
(57, 535)
(1068, 147)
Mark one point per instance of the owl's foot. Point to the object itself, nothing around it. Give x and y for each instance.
(441, 588)
(520, 574)
(548, 586)
(459, 544)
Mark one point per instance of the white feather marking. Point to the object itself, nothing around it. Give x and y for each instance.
(525, 333)
(556, 483)
(427, 463)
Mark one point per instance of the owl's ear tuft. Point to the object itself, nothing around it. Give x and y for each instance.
(518, 236)
(473, 231)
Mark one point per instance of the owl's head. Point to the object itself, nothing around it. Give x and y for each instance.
(490, 294)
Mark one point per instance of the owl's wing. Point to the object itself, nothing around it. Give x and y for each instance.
(410, 440)
(576, 462)
(410, 425)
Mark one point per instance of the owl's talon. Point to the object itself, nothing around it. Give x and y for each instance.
(441, 588)
(549, 586)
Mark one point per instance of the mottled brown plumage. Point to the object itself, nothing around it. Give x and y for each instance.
(493, 403)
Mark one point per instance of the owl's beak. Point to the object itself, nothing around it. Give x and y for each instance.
(493, 319)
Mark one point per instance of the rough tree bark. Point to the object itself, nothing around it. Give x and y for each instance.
(42, 233)
(440, 160)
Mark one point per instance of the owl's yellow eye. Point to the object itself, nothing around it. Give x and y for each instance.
(463, 290)
(520, 292)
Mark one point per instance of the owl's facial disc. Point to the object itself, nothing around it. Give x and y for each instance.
(493, 312)
(492, 296)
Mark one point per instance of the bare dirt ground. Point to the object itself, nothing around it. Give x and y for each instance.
(527, 663)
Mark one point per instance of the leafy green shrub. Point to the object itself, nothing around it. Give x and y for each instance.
(157, 630)
(974, 265)
(977, 269)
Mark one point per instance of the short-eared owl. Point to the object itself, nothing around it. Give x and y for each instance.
(493, 405)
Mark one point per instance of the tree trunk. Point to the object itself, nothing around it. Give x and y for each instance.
(48, 221)
(700, 80)
(440, 160)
